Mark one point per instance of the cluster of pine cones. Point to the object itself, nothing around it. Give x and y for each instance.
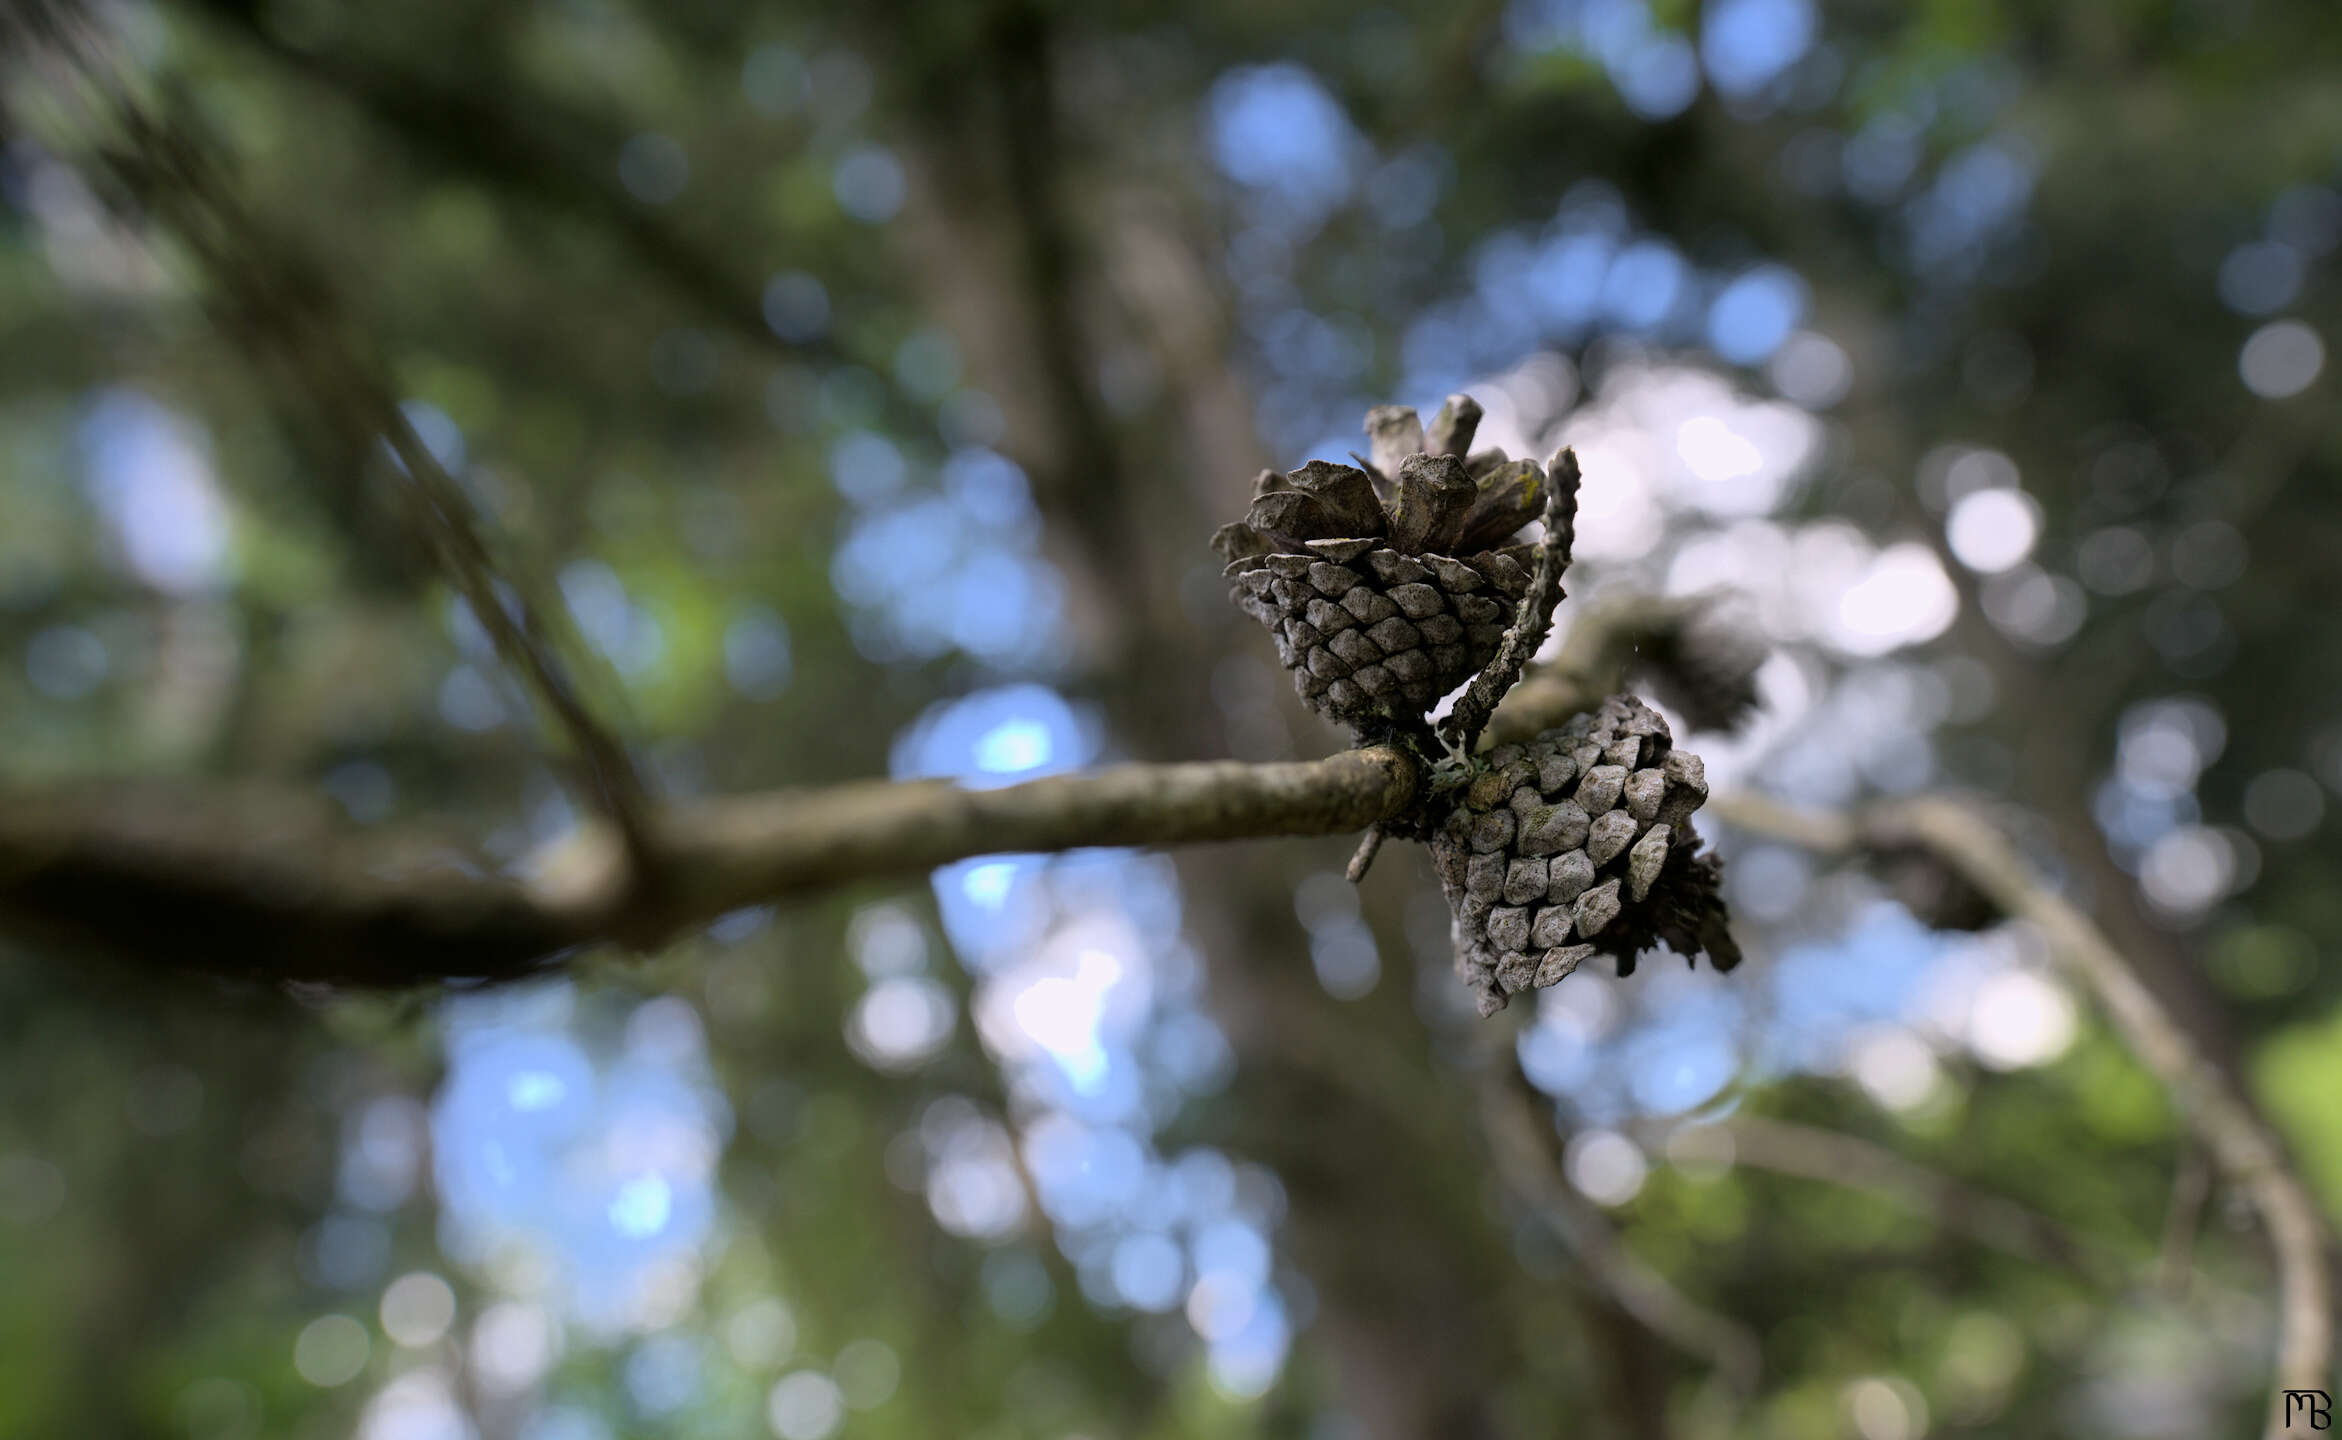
(1387, 585)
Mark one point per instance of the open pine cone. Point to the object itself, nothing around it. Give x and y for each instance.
(1578, 841)
(1390, 585)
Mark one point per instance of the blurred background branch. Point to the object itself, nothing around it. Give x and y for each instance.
(1812, 1153)
(287, 311)
(535, 145)
(2244, 1147)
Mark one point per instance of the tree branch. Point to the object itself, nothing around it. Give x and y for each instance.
(736, 852)
(244, 883)
(247, 883)
(286, 309)
(2246, 1150)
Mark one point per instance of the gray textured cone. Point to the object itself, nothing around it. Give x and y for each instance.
(1384, 634)
(1704, 667)
(1389, 586)
(1576, 843)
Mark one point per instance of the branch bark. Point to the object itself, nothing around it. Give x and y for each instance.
(2247, 1152)
(258, 885)
(736, 852)
(263, 887)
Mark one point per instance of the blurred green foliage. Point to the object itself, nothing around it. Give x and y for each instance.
(169, 1152)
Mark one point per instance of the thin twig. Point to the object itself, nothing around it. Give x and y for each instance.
(1461, 730)
(190, 878)
(2243, 1146)
(1369, 845)
(278, 301)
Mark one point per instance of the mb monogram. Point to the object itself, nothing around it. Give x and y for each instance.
(2312, 1406)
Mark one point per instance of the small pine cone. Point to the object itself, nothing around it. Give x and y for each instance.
(1939, 896)
(1387, 587)
(1703, 665)
(1369, 632)
(1580, 840)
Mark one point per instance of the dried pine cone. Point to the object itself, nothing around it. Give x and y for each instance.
(1386, 586)
(1581, 840)
(1940, 897)
(1703, 665)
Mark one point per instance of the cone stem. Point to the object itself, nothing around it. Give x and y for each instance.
(1531, 622)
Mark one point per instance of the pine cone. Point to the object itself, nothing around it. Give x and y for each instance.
(1704, 665)
(1940, 897)
(1582, 835)
(1387, 587)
